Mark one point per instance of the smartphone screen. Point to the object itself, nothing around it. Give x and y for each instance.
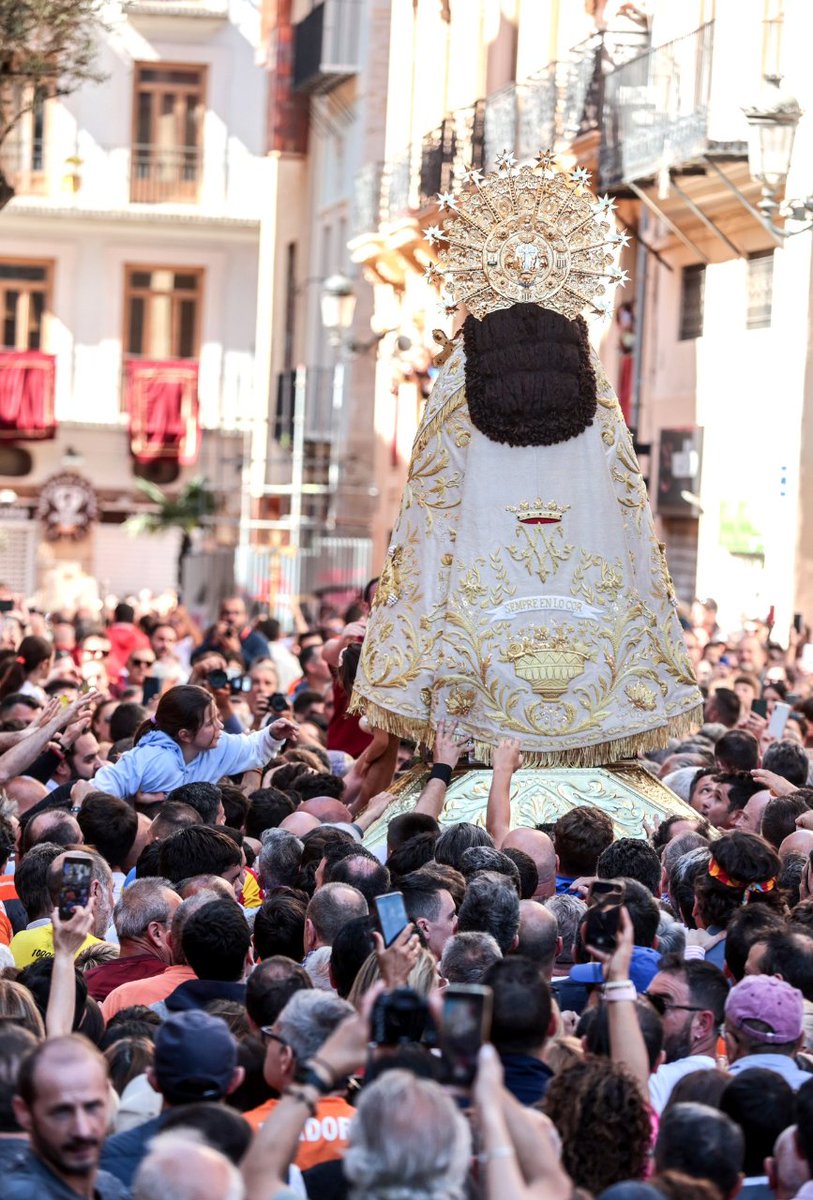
(6, 606)
(760, 707)
(466, 1025)
(779, 719)
(152, 686)
(391, 915)
(74, 890)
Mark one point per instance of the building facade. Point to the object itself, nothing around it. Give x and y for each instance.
(128, 267)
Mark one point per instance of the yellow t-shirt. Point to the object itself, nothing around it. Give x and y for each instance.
(30, 944)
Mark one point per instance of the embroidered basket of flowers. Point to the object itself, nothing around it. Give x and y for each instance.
(548, 659)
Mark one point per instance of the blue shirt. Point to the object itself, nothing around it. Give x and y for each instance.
(157, 764)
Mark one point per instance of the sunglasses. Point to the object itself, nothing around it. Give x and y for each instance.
(663, 1005)
(96, 653)
(142, 662)
(270, 1036)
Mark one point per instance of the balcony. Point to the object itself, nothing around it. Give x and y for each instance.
(165, 174)
(367, 196)
(459, 142)
(657, 110)
(153, 16)
(24, 166)
(162, 401)
(326, 46)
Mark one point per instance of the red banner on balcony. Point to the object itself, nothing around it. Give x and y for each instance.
(162, 400)
(27, 396)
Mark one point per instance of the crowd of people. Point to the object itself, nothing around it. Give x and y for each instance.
(213, 1013)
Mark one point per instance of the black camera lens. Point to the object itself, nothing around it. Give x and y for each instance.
(217, 679)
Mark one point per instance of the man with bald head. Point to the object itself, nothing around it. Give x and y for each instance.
(749, 818)
(179, 1166)
(54, 825)
(538, 936)
(299, 823)
(62, 1103)
(539, 847)
(326, 808)
(330, 909)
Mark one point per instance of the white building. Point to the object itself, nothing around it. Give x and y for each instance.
(133, 239)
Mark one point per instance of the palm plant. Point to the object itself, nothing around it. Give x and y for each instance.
(187, 511)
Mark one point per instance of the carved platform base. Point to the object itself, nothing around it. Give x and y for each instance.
(625, 791)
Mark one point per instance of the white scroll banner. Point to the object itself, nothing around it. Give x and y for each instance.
(564, 606)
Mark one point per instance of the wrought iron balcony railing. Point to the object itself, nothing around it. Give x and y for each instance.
(23, 163)
(326, 45)
(165, 174)
(656, 109)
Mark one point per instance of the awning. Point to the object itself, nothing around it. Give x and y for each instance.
(162, 400)
(27, 396)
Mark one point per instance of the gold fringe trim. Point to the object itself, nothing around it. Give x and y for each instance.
(599, 755)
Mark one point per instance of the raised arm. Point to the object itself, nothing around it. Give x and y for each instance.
(505, 760)
(627, 1044)
(445, 754)
(54, 717)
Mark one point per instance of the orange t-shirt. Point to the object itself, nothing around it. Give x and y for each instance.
(146, 991)
(324, 1136)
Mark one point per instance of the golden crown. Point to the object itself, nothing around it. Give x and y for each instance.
(527, 234)
(532, 511)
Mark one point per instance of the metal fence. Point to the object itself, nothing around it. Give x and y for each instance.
(656, 109)
(165, 174)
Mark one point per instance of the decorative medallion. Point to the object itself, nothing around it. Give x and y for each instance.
(66, 506)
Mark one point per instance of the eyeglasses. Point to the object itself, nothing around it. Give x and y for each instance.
(142, 662)
(270, 1036)
(663, 1005)
(95, 653)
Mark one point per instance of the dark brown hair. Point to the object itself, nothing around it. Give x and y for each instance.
(529, 377)
(31, 652)
(182, 707)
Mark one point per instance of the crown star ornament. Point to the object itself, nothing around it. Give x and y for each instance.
(528, 234)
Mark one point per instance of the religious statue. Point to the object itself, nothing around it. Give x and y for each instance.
(524, 593)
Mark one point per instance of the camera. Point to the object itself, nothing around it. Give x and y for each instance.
(217, 679)
(277, 703)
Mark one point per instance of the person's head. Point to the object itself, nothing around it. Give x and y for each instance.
(409, 1136)
(788, 759)
(55, 826)
(594, 1030)
(491, 905)
(216, 941)
(101, 886)
(723, 707)
(18, 1009)
(431, 907)
(279, 927)
(786, 1167)
(742, 869)
(187, 714)
(456, 839)
(15, 1043)
(763, 1015)
(762, 1104)
(200, 850)
(748, 925)
(539, 847)
(364, 873)
(329, 910)
(62, 1103)
(139, 665)
(538, 936)
(631, 858)
(747, 688)
(737, 750)
(352, 947)
(314, 668)
(19, 706)
(568, 911)
(702, 788)
(703, 1143)
(412, 855)
(81, 761)
(467, 957)
(689, 996)
(522, 1019)
(233, 613)
(144, 914)
(732, 792)
(195, 1058)
(270, 986)
(219, 1126)
(163, 640)
(180, 1164)
(779, 816)
(786, 953)
(31, 662)
(173, 815)
(306, 1021)
(280, 858)
(263, 683)
(408, 825)
(110, 825)
(267, 807)
(205, 798)
(643, 910)
(124, 721)
(580, 836)
(603, 1122)
(31, 879)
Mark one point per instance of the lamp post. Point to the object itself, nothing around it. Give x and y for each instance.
(338, 305)
(771, 131)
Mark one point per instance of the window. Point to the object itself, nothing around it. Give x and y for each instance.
(759, 290)
(162, 312)
(25, 295)
(22, 153)
(168, 112)
(692, 285)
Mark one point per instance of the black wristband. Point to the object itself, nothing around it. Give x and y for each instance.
(441, 771)
(306, 1074)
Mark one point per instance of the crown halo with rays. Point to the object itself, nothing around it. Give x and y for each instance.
(527, 234)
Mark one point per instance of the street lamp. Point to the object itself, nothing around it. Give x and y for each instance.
(338, 304)
(771, 132)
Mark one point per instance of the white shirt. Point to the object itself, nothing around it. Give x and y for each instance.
(666, 1076)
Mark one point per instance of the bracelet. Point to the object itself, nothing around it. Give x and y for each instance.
(310, 1078)
(626, 993)
(497, 1152)
(299, 1095)
(616, 983)
(441, 771)
(320, 1062)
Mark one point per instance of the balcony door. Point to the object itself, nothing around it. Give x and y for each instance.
(25, 289)
(169, 105)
